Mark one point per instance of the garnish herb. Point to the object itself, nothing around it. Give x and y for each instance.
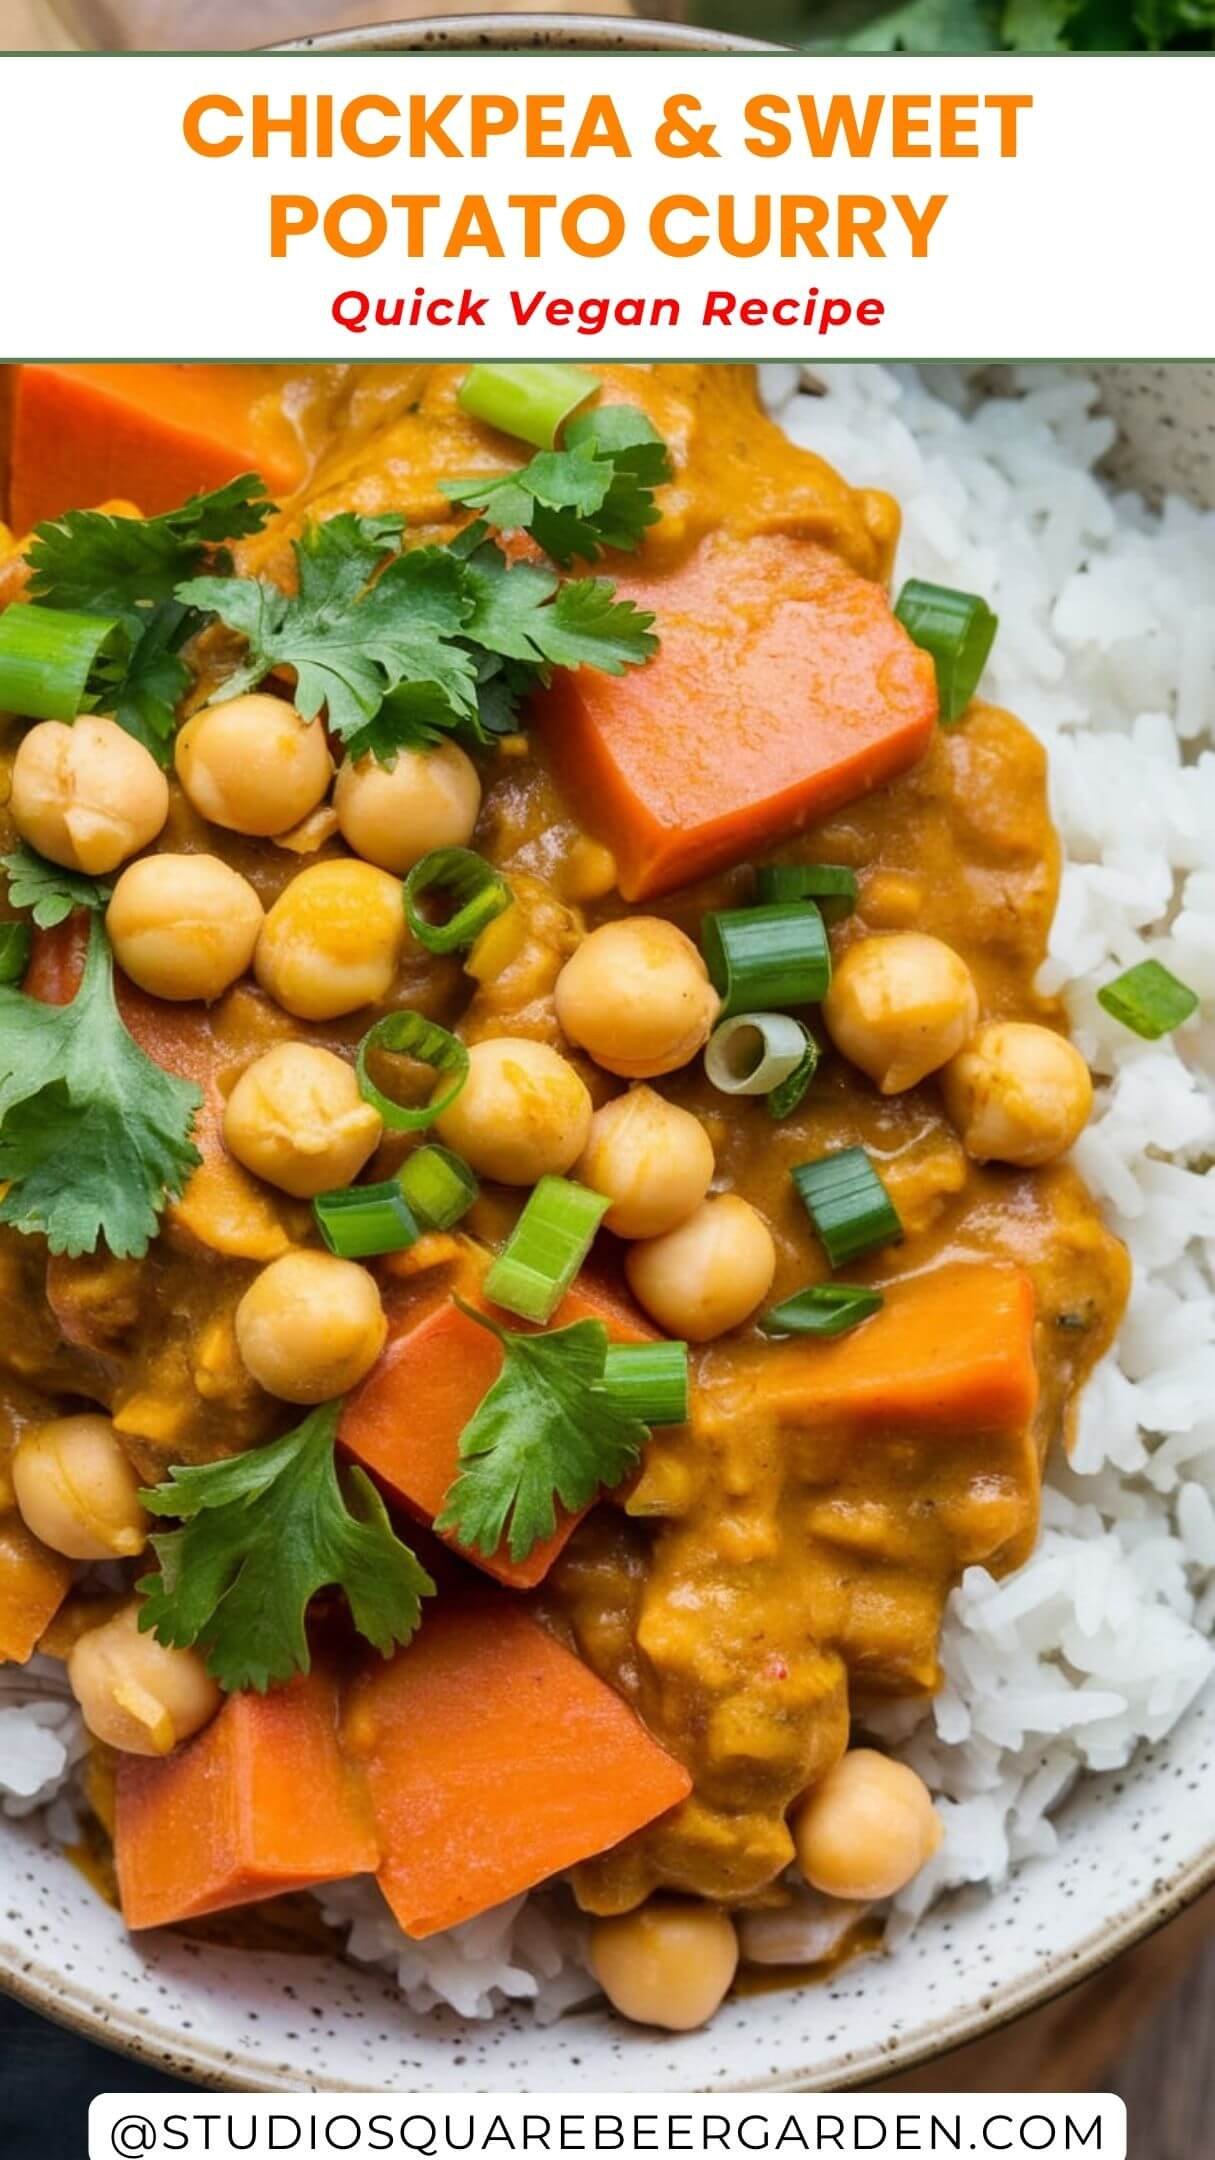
(832, 886)
(476, 892)
(785, 1097)
(547, 1431)
(824, 1309)
(958, 629)
(1149, 1000)
(596, 492)
(261, 1534)
(54, 666)
(546, 1248)
(412, 1035)
(528, 398)
(848, 1204)
(94, 1138)
(50, 893)
(431, 1191)
(763, 958)
(90, 563)
(755, 1053)
(16, 943)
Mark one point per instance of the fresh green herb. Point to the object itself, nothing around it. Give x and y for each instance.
(958, 630)
(50, 894)
(529, 398)
(94, 1138)
(848, 1204)
(546, 1248)
(783, 1100)
(764, 958)
(1149, 1000)
(649, 1380)
(595, 493)
(439, 1186)
(412, 1035)
(477, 894)
(262, 1533)
(357, 1222)
(54, 666)
(825, 1309)
(129, 568)
(547, 1431)
(16, 943)
(1036, 26)
(754, 1053)
(429, 645)
(831, 886)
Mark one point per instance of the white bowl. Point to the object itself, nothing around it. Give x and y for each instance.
(1134, 1848)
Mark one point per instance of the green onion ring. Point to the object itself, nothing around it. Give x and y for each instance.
(761, 959)
(530, 399)
(477, 891)
(1149, 1000)
(648, 1381)
(545, 1249)
(753, 1053)
(958, 630)
(411, 1034)
(783, 1100)
(438, 1186)
(48, 655)
(848, 1204)
(832, 887)
(825, 1309)
(358, 1222)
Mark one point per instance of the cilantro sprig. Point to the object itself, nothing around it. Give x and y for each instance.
(596, 492)
(547, 1431)
(94, 1138)
(401, 648)
(128, 569)
(260, 1535)
(50, 893)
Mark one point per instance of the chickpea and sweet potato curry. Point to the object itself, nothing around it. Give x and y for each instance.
(535, 1223)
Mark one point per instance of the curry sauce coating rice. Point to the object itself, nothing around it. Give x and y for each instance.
(1116, 1649)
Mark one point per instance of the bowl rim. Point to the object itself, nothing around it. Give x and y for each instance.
(526, 31)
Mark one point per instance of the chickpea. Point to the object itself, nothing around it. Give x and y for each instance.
(899, 1006)
(670, 1963)
(183, 926)
(253, 765)
(135, 1694)
(707, 1275)
(88, 795)
(637, 995)
(309, 1326)
(1018, 1093)
(76, 1490)
(297, 1119)
(866, 1828)
(394, 814)
(333, 940)
(522, 1114)
(651, 1159)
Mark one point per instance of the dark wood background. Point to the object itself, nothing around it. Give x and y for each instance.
(1145, 2028)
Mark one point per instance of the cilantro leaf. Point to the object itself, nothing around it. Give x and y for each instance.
(104, 565)
(524, 613)
(262, 1533)
(93, 1136)
(145, 696)
(50, 894)
(595, 493)
(546, 1431)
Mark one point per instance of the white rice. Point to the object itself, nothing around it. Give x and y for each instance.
(1107, 650)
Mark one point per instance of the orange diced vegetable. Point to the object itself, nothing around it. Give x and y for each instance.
(783, 687)
(951, 1351)
(405, 1421)
(494, 1759)
(33, 1585)
(259, 1803)
(154, 433)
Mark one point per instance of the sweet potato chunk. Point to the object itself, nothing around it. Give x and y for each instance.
(151, 433)
(33, 1584)
(494, 1759)
(405, 1421)
(259, 1803)
(782, 688)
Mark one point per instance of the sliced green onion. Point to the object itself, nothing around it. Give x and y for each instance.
(360, 1221)
(530, 399)
(411, 1034)
(783, 1100)
(754, 1052)
(848, 1204)
(832, 886)
(546, 1248)
(649, 1381)
(1149, 1000)
(958, 629)
(438, 1187)
(763, 958)
(476, 891)
(16, 940)
(47, 656)
(825, 1309)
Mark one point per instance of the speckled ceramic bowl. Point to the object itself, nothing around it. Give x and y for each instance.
(1133, 1848)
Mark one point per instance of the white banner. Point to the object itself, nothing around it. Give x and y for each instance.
(485, 206)
(501, 2126)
